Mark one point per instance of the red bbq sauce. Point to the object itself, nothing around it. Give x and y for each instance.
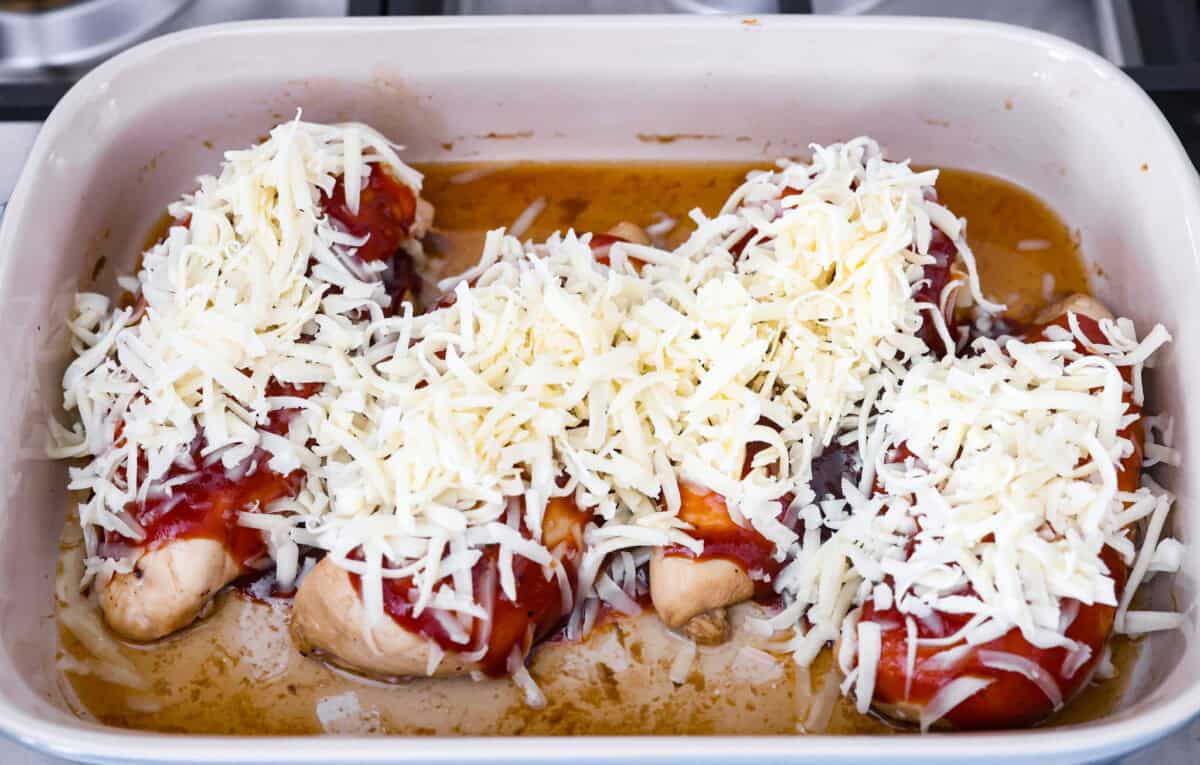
(207, 504)
(386, 212)
(534, 615)
(936, 276)
(725, 539)
(1012, 700)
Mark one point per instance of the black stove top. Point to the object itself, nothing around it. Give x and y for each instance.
(1164, 33)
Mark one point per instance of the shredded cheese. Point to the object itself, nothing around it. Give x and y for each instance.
(1001, 506)
(869, 639)
(1030, 669)
(231, 292)
(755, 666)
(681, 665)
(554, 375)
(950, 696)
(534, 698)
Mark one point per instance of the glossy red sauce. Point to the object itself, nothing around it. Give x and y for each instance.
(207, 505)
(740, 245)
(534, 615)
(386, 212)
(936, 277)
(1012, 700)
(278, 419)
(723, 538)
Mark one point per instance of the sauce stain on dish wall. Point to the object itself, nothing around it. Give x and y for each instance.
(237, 671)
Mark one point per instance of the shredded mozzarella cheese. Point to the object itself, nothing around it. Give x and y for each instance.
(230, 294)
(681, 665)
(950, 696)
(1030, 669)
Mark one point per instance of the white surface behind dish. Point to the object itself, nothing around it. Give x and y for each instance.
(1044, 113)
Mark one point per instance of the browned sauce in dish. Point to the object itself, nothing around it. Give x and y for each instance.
(237, 671)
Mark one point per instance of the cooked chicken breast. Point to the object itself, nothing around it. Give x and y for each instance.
(167, 589)
(630, 232)
(329, 619)
(1084, 305)
(682, 588)
(1010, 700)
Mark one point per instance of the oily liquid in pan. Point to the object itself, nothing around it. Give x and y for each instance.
(237, 671)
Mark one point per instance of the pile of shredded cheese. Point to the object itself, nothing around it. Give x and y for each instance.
(787, 319)
(552, 374)
(1006, 497)
(229, 296)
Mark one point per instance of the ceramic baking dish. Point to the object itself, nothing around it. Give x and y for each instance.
(136, 131)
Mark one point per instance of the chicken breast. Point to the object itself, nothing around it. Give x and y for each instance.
(1084, 305)
(422, 219)
(682, 588)
(709, 628)
(904, 689)
(630, 232)
(167, 589)
(328, 619)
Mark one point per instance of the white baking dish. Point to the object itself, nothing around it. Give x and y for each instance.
(133, 134)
